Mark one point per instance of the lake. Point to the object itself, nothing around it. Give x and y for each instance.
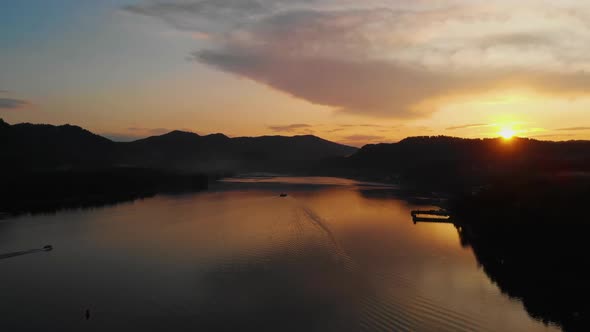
(333, 255)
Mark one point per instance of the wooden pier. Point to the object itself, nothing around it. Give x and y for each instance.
(432, 216)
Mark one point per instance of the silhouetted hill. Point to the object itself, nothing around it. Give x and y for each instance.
(49, 167)
(37, 147)
(48, 191)
(47, 147)
(443, 161)
(529, 233)
(290, 148)
(217, 152)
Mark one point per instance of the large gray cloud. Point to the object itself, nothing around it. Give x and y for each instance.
(11, 103)
(390, 58)
(381, 88)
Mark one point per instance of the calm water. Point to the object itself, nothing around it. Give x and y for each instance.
(335, 255)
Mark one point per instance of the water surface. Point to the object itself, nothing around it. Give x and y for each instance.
(334, 255)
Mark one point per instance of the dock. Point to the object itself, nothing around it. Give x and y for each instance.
(432, 216)
(441, 213)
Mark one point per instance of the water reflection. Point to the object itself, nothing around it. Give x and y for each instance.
(239, 257)
(545, 267)
(271, 293)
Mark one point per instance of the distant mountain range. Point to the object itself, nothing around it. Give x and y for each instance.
(46, 147)
(424, 159)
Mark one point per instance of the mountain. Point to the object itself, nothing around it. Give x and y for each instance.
(415, 151)
(442, 160)
(46, 147)
(35, 146)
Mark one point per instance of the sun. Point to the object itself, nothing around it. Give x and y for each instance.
(507, 133)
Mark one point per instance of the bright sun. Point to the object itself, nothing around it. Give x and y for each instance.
(507, 133)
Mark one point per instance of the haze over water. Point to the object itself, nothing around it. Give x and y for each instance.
(334, 255)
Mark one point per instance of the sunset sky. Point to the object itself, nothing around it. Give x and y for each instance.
(354, 72)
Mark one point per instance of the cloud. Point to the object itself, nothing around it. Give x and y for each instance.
(291, 128)
(209, 16)
(359, 140)
(335, 130)
(383, 88)
(362, 125)
(356, 138)
(390, 58)
(518, 39)
(552, 136)
(574, 128)
(149, 131)
(472, 125)
(355, 87)
(11, 104)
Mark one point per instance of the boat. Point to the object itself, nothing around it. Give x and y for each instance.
(283, 195)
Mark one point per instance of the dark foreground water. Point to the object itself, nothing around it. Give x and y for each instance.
(335, 255)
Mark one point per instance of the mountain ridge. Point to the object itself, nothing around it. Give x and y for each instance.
(442, 161)
(43, 146)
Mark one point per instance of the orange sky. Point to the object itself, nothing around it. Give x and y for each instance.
(353, 72)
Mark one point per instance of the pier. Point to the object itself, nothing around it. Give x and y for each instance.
(432, 216)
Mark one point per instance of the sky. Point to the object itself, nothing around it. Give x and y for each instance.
(355, 72)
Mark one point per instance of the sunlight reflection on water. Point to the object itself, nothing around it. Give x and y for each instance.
(336, 256)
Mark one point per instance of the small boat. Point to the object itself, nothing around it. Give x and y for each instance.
(283, 195)
(48, 247)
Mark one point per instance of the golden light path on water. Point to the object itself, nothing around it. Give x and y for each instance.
(342, 257)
